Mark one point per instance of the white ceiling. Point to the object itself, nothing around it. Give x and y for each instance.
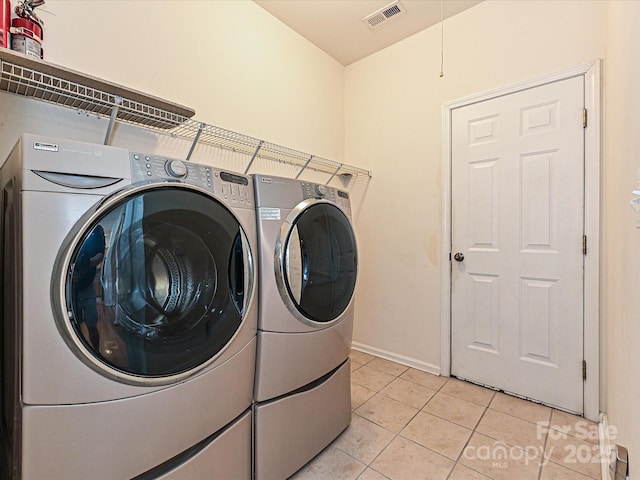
(336, 26)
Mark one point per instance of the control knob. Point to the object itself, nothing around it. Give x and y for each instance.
(321, 190)
(176, 168)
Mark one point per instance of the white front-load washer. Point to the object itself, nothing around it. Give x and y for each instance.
(308, 267)
(129, 315)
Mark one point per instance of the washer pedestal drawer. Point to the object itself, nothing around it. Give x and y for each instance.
(226, 456)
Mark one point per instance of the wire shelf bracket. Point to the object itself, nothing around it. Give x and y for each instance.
(112, 119)
(253, 158)
(304, 167)
(334, 174)
(195, 141)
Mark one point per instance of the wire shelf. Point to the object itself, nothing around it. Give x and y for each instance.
(211, 135)
(29, 77)
(219, 137)
(31, 83)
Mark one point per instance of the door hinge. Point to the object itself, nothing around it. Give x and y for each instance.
(584, 369)
(584, 244)
(584, 118)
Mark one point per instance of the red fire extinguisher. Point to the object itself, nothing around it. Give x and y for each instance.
(5, 22)
(26, 37)
(27, 29)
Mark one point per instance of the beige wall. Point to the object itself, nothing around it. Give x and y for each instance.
(394, 127)
(621, 265)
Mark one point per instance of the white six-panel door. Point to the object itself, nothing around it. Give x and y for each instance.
(517, 206)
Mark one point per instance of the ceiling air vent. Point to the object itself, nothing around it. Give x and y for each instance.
(378, 17)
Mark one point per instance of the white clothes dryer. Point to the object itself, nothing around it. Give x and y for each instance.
(129, 315)
(308, 267)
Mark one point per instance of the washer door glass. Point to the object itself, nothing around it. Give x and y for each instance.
(320, 262)
(159, 282)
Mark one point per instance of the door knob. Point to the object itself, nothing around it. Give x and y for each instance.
(458, 257)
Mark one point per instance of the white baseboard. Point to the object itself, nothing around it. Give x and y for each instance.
(394, 357)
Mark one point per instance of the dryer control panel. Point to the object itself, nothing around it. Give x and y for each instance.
(317, 190)
(234, 188)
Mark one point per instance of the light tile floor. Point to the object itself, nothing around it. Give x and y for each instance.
(411, 425)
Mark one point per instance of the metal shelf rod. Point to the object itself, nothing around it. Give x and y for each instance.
(304, 167)
(255, 154)
(195, 141)
(334, 174)
(112, 120)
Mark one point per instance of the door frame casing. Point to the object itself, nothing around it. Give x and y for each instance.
(592, 162)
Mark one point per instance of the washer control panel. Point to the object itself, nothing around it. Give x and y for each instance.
(317, 190)
(233, 188)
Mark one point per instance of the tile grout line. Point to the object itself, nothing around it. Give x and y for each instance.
(468, 439)
(439, 390)
(353, 412)
(544, 447)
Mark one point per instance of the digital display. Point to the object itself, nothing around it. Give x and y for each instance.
(230, 177)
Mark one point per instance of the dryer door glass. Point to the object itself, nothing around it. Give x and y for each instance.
(320, 263)
(159, 282)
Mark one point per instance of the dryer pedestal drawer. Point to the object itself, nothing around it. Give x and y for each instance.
(292, 429)
(287, 362)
